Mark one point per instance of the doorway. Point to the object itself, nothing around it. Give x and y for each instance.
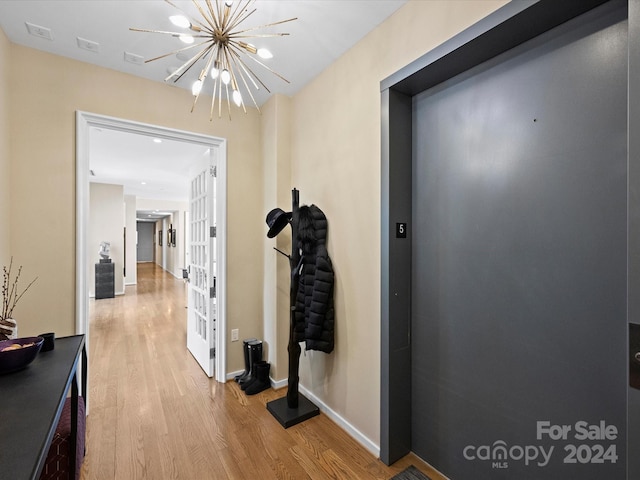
(513, 263)
(84, 122)
(146, 243)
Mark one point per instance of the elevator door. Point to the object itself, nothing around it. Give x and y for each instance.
(519, 261)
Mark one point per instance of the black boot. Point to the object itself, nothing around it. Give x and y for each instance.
(247, 363)
(255, 356)
(262, 382)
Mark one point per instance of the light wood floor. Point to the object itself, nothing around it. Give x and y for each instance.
(153, 413)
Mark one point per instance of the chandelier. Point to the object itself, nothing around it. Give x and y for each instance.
(221, 48)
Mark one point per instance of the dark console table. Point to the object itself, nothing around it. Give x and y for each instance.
(32, 401)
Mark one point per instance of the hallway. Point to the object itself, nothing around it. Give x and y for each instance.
(153, 413)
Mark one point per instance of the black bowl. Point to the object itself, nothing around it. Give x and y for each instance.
(18, 358)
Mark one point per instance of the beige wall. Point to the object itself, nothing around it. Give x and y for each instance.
(336, 165)
(5, 184)
(159, 243)
(276, 157)
(175, 256)
(131, 277)
(106, 224)
(168, 257)
(334, 127)
(46, 90)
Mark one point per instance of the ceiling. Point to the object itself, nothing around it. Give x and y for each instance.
(147, 167)
(323, 31)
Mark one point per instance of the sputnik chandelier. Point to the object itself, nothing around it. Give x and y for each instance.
(223, 50)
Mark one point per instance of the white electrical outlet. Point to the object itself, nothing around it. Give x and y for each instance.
(235, 335)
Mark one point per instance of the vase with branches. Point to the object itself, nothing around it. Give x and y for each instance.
(11, 294)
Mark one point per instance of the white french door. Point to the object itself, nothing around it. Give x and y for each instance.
(202, 304)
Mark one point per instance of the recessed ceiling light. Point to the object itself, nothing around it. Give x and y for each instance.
(143, 183)
(39, 31)
(157, 140)
(133, 58)
(182, 56)
(88, 45)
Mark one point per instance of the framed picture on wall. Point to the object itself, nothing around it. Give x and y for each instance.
(159, 238)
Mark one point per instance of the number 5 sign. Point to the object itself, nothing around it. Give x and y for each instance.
(401, 230)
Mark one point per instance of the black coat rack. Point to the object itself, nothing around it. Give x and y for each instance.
(295, 407)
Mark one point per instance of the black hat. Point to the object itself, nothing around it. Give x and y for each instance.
(277, 219)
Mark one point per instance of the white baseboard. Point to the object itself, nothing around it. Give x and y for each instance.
(357, 435)
(279, 383)
(93, 295)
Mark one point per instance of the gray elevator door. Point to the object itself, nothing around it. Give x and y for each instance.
(519, 261)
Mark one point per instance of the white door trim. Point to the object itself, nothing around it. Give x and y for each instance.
(86, 120)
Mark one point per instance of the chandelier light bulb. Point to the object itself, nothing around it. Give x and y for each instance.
(196, 88)
(186, 38)
(225, 76)
(237, 98)
(228, 3)
(180, 21)
(215, 70)
(264, 53)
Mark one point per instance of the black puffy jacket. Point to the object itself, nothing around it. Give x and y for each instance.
(314, 315)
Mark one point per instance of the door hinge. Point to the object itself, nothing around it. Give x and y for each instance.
(212, 232)
(212, 352)
(213, 170)
(212, 290)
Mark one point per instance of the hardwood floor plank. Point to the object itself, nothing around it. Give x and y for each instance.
(309, 463)
(154, 414)
(339, 468)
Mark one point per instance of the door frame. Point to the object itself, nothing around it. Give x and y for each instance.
(507, 27)
(87, 120)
